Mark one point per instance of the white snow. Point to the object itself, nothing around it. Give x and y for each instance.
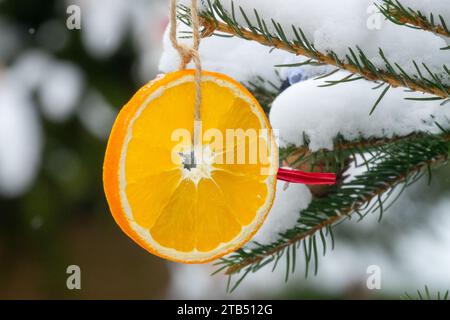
(285, 212)
(149, 20)
(20, 139)
(323, 113)
(20, 129)
(30, 69)
(193, 282)
(425, 250)
(104, 23)
(58, 86)
(60, 90)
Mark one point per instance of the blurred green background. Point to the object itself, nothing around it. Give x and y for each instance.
(61, 217)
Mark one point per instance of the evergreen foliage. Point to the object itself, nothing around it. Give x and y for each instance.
(391, 164)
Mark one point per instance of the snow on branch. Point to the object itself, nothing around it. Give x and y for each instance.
(306, 109)
(419, 76)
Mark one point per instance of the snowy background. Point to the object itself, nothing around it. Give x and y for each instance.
(60, 90)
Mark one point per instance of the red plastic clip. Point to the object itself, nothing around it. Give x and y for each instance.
(311, 178)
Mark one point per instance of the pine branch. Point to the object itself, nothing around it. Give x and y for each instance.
(264, 91)
(356, 62)
(394, 11)
(335, 160)
(426, 295)
(295, 156)
(402, 165)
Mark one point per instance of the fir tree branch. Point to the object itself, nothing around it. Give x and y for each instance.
(342, 149)
(402, 165)
(264, 91)
(394, 11)
(334, 219)
(356, 62)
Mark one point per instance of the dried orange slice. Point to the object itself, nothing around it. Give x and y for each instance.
(184, 203)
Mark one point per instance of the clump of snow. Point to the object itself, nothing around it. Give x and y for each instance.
(183, 276)
(324, 113)
(20, 139)
(58, 86)
(285, 212)
(104, 23)
(60, 90)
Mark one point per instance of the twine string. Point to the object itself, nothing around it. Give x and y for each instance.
(188, 54)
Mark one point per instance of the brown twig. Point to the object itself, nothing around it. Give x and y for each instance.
(374, 142)
(422, 24)
(303, 154)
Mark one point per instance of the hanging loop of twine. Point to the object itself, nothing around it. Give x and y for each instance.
(188, 54)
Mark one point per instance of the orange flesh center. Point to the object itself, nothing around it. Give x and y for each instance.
(197, 202)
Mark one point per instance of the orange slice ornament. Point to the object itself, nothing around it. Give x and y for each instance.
(184, 203)
(191, 164)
